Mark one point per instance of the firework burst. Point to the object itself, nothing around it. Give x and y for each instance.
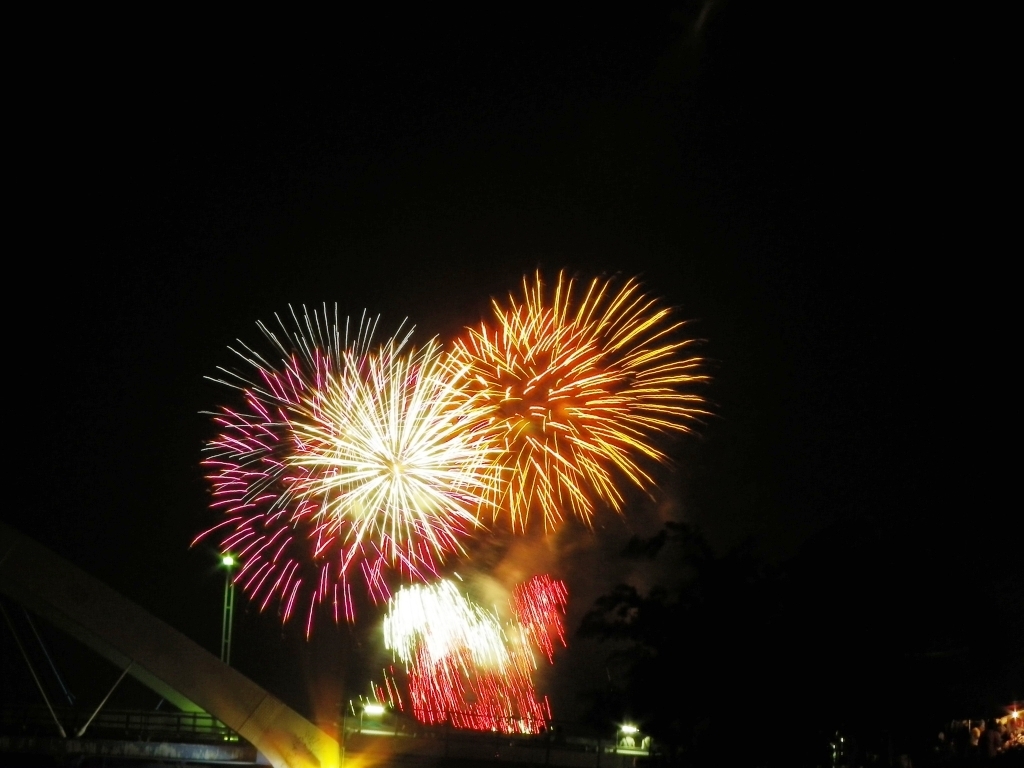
(342, 454)
(462, 666)
(579, 382)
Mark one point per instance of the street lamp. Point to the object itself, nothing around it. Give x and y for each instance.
(628, 735)
(229, 609)
(372, 710)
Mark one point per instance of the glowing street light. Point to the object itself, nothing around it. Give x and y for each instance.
(630, 738)
(374, 711)
(626, 735)
(229, 609)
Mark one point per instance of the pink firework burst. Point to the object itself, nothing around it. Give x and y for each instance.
(344, 458)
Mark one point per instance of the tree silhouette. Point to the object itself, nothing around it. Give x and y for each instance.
(687, 652)
(876, 630)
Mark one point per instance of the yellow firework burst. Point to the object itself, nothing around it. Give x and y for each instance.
(579, 381)
(395, 454)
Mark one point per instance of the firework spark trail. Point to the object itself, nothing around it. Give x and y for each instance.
(539, 605)
(388, 692)
(425, 622)
(579, 386)
(343, 454)
(454, 690)
(461, 666)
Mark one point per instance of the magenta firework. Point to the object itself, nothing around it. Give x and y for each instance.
(341, 458)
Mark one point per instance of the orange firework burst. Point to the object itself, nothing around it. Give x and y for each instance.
(579, 382)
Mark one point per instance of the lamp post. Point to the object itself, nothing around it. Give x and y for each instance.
(229, 610)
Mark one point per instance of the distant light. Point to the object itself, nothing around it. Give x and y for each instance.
(1015, 714)
(227, 560)
(373, 710)
(629, 729)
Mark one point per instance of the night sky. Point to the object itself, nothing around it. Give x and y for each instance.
(761, 169)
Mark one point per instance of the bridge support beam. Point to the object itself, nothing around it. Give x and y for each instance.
(178, 669)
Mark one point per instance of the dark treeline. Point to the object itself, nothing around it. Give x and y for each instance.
(872, 632)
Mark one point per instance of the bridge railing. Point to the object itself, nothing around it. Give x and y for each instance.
(559, 744)
(140, 725)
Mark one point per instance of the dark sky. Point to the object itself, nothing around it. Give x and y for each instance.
(761, 168)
